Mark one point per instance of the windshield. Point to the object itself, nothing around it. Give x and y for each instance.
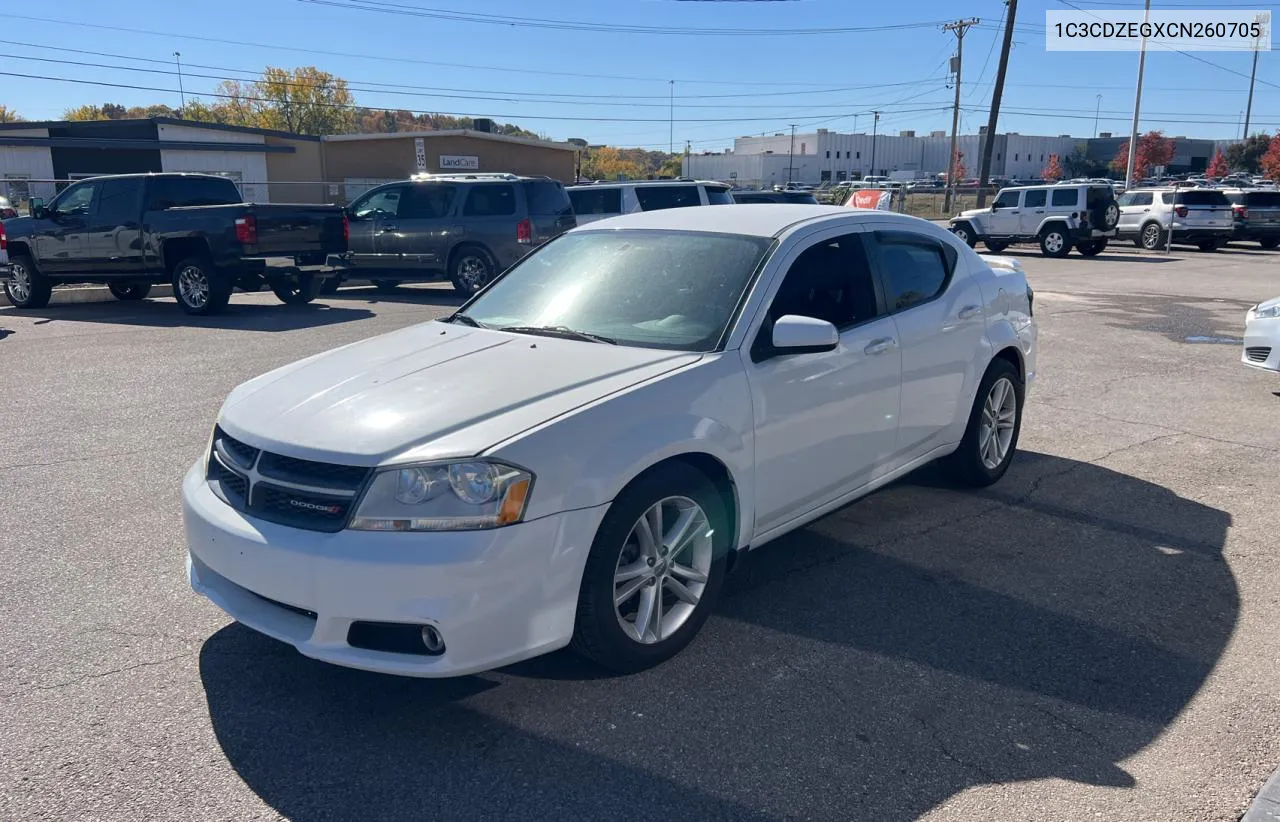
(653, 289)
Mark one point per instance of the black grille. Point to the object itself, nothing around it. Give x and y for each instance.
(1258, 354)
(316, 496)
(295, 609)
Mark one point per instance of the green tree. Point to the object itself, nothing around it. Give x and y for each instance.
(80, 113)
(1247, 154)
(305, 100)
(8, 115)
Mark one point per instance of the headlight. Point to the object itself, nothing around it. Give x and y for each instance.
(452, 496)
(1270, 312)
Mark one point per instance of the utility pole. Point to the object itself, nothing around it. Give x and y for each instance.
(875, 122)
(791, 155)
(1253, 75)
(959, 28)
(989, 143)
(1137, 104)
(182, 95)
(1096, 111)
(671, 136)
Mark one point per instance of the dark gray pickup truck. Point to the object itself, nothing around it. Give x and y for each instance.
(190, 230)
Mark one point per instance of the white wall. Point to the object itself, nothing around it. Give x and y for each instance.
(27, 163)
(207, 135)
(250, 167)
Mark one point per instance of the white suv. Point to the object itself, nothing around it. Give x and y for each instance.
(1058, 217)
(1199, 216)
(597, 201)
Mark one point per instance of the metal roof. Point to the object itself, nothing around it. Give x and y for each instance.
(145, 145)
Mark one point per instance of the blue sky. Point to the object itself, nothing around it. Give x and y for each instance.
(614, 86)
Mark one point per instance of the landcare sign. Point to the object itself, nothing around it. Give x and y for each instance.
(458, 162)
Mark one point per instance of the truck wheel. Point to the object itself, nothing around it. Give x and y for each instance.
(995, 246)
(1091, 248)
(1054, 242)
(964, 233)
(129, 291)
(386, 286)
(471, 270)
(199, 287)
(26, 286)
(297, 290)
(1270, 242)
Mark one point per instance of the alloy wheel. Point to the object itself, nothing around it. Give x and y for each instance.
(1053, 242)
(1112, 216)
(473, 272)
(1151, 237)
(999, 416)
(19, 282)
(662, 570)
(193, 286)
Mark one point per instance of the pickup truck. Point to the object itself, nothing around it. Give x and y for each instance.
(133, 231)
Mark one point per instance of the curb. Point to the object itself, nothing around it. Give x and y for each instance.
(95, 294)
(1266, 805)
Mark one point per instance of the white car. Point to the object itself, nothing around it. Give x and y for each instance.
(1262, 336)
(580, 452)
(600, 201)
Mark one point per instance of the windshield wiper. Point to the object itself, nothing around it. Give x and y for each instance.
(466, 320)
(558, 331)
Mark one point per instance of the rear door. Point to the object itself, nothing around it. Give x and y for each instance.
(489, 218)
(549, 209)
(114, 241)
(419, 238)
(656, 198)
(1205, 210)
(1035, 201)
(593, 203)
(62, 248)
(371, 217)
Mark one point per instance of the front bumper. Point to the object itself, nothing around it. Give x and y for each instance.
(1262, 341)
(496, 596)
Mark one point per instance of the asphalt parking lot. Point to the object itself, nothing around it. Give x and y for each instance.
(1093, 638)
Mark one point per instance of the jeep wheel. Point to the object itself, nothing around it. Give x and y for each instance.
(1091, 248)
(1054, 242)
(964, 232)
(1106, 214)
(995, 246)
(1152, 234)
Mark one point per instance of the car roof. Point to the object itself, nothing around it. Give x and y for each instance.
(734, 219)
(623, 183)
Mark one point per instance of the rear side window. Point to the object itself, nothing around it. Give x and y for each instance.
(119, 201)
(427, 202)
(718, 196)
(596, 200)
(1262, 199)
(654, 198)
(547, 198)
(1135, 198)
(174, 192)
(1203, 198)
(915, 269)
(1035, 198)
(1065, 197)
(490, 201)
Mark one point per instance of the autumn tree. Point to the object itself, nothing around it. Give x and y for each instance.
(1053, 169)
(1246, 155)
(957, 163)
(8, 115)
(607, 162)
(1270, 162)
(1154, 149)
(88, 112)
(1217, 167)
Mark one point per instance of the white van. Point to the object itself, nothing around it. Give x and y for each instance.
(598, 201)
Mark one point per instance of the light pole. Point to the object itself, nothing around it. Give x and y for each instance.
(1096, 112)
(791, 155)
(875, 123)
(182, 95)
(1137, 105)
(671, 136)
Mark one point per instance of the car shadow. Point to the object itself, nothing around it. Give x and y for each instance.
(238, 316)
(915, 644)
(1181, 319)
(1106, 256)
(403, 294)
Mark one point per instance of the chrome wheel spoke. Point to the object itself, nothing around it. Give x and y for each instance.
(682, 593)
(628, 589)
(682, 531)
(687, 573)
(649, 606)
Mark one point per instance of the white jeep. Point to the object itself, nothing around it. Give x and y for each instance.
(1058, 217)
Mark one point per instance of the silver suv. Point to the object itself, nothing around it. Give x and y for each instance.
(1058, 217)
(1198, 216)
(598, 201)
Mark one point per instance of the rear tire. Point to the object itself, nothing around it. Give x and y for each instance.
(471, 269)
(1091, 248)
(386, 286)
(26, 286)
(1269, 243)
(1054, 242)
(973, 463)
(199, 287)
(298, 290)
(995, 246)
(603, 629)
(129, 291)
(1209, 246)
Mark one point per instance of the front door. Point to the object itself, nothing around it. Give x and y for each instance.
(1135, 207)
(371, 217)
(941, 320)
(62, 248)
(825, 423)
(1003, 221)
(420, 237)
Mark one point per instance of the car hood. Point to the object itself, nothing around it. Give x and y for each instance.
(971, 213)
(430, 391)
(1267, 304)
(15, 227)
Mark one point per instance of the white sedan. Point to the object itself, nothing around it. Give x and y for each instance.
(580, 452)
(1262, 336)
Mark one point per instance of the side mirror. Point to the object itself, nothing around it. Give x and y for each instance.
(994, 206)
(37, 208)
(793, 334)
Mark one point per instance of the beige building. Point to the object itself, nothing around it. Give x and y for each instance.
(354, 163)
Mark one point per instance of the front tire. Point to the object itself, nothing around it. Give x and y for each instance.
(964, 232)
(995, 421)
(129, 291)
(1269, 243)
(1054, 242)
(26, 286)
(200, 288)
(655, 570)
(1151, 236)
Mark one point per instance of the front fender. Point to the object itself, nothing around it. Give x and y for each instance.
(587, 457)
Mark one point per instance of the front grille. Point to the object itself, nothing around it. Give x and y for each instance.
(315, 496)
(293, 608)
(1258, 353)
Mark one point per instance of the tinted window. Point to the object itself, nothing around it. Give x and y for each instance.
(77, 199)
(915, 268)
(490, 201)
(171, 192)
(829, 281)
(382, 202)
(119, 201)
(1203, 198)
(1065, 197)
(653, 198)
(1262, 199)
(1135, 198)
(654, 289)
(547, 198)
(1007, 199)
(1035, 198)
(596, 200)
(718, 196)
(428, 202)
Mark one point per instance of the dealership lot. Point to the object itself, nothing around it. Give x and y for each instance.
(1094, 637)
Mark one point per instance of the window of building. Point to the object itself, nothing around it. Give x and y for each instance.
(828, 154)
(1015, 158)
(859, 157)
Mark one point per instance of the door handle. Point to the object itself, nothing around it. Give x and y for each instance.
(1040, 211)
(969, 311)
(879, 346)
(388, 228)
(1015, 212)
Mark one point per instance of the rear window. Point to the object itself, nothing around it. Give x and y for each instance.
(547, 197)
(172, 192)
(490, 201)
(717, 195)
(1202, 198)
(1262, 199)
(654, 198)
(596, 200)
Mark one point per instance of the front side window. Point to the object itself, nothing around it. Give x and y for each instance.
(830, 281)
(77, 199)
(653, 289)
(1036, 198)
(1007, 199)
(1067, 197)
(1135, 198)
(385, 202)
(655, 198)
(915, 269)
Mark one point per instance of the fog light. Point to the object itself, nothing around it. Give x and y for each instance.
(432, 640)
